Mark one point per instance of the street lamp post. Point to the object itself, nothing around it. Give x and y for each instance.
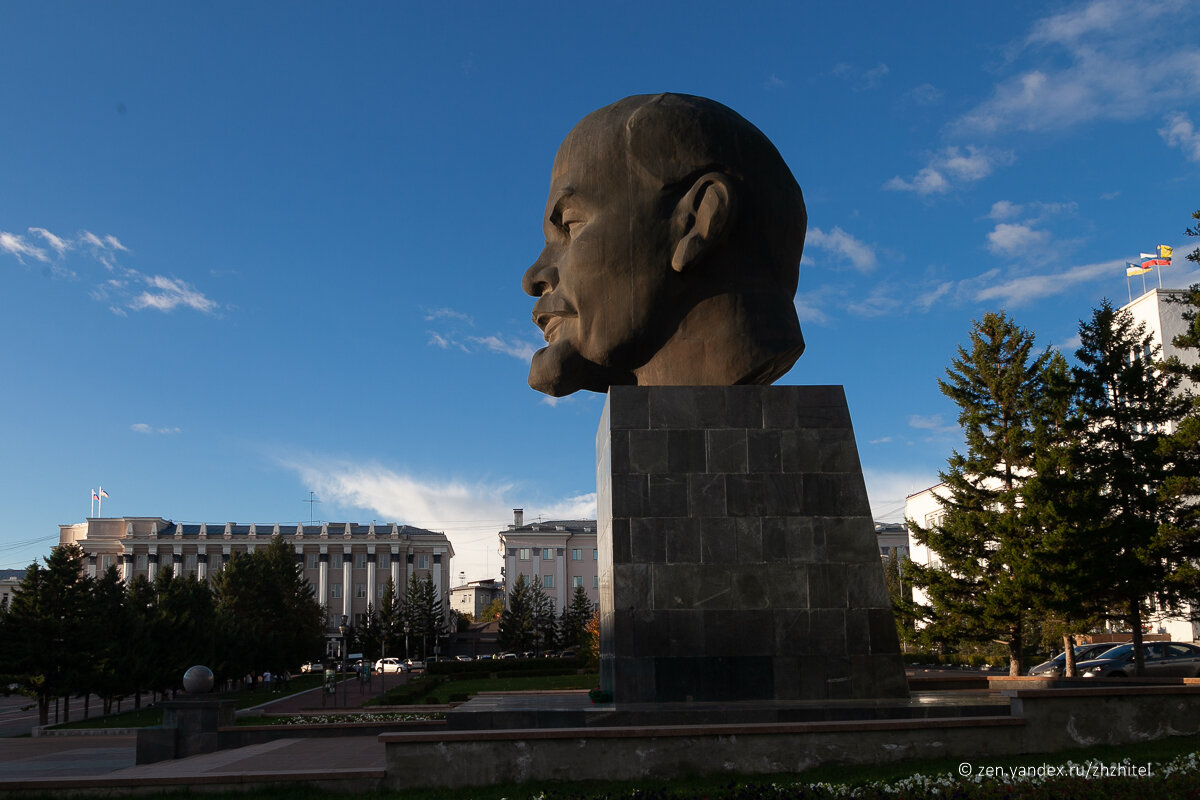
(342, 630)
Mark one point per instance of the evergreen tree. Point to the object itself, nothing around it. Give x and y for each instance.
(982, 587)
(516, 621)
(391, 627)
(542, 609)
(44, 629)
(1126, 460)
(897, 575)
(113, 631)
(574, 619)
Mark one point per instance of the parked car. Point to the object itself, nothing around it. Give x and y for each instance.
(313, 666)
(1163, 660)
(389, 665)
(412, 665)
(1083, 652)
(463, 658)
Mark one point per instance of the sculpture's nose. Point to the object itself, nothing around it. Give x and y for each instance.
(541, 277)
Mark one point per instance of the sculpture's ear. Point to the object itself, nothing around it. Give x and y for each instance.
(703, 217)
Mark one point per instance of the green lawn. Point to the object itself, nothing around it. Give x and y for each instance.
(458, 689)
(147, 717)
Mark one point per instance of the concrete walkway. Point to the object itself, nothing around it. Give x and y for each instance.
(61, 763)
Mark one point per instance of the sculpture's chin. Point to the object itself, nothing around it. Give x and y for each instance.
(559, 370)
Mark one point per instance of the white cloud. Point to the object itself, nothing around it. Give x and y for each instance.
(932, 422)
(168, 294)
(1029, 288)
(1009, 239)
(496, 344)
(926, 299)
(60, 245)
(878, 302)
(860, 254)
(887, 490)
(447, 313)
(926, 94)
(1003, 209)
(774, 82)
(470, 513)
(1106, 59)
(861, 80)
(951, 167)
(16, 246)
(1179, 132)
(142, 427)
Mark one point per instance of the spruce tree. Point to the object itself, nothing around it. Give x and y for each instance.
(981, 587)
(516, 621)
(1129, 408)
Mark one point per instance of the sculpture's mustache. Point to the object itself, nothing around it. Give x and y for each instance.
(549, 312)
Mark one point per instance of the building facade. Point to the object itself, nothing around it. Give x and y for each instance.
(560, 553)
(474, 597)
(348, 564)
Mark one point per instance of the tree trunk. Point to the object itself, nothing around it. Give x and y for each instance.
(1015, 642)
(43, 709)
(66, 708)
(1135, 621)
(1069, 645)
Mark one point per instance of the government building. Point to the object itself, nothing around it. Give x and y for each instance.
(348, 564)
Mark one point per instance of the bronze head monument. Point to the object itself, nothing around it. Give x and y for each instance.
(674, 231)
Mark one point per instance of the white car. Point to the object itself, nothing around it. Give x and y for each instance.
(412, 665)
(390, 665)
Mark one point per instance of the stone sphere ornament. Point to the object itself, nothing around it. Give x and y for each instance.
(198, 680)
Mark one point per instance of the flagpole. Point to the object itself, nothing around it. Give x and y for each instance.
(1128, 287)
(92, 508)
(100, 494)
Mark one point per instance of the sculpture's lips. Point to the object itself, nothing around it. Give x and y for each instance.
(549, 312)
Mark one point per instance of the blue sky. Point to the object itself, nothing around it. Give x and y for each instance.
(249, 250)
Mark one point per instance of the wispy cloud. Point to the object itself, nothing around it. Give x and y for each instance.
(520, 350)
(124, 288)
(1027, 289)
(142, 427)
(773, 81)
(951, 168)
(861, 80)
(925, 95)
(845, 247)
(1178, 131)
(1093, 63)
(470, 513)
(932, 423)
(166, 294)
(880, 300)
(447, 313)
(1008, 239)
(926, 299)
(887, 490)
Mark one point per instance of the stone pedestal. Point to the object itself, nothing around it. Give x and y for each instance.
(190, 727)
(738, 558)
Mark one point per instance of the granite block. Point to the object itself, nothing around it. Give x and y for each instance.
(647, 451)
(786, 586)
(632, 586)
(827, 585)
(628, 407)
(726, 450)
(839, 452)
(748, 531)
(686, 451)
(621, 547)
(791, 631)
(618, 453)
(718, 541)
(744, 495)
(762, 450)
(630, 495)
(800, 451)
(749, 589)
(827, 631)
(690, 586)
(668, 496)
(743, 406)
(865, 587)
(858, 632)
(647, 541)
(683, 540)
(706, 495)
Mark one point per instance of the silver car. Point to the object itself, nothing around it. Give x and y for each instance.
(1163, 660)
(1056, 666)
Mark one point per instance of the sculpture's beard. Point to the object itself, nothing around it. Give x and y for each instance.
(558, 370)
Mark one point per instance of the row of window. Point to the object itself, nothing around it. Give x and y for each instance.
(547, 553)
(141, 561)
(360, 590)
(576, 581)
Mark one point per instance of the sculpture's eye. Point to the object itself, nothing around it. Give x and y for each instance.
(571, 224)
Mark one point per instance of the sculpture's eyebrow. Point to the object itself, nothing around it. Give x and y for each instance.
(554, 218)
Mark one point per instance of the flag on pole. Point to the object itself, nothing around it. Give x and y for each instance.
(102, 492)
(95, 496)
(1150, 261)
(1132, 269)
(1165, 251)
